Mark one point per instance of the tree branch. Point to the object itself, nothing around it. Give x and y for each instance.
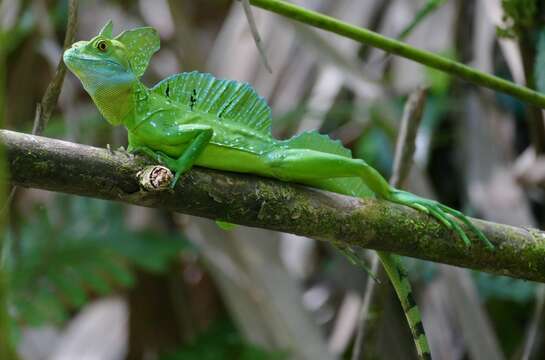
(61, 166)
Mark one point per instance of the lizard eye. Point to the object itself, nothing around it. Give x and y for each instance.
(102, 46)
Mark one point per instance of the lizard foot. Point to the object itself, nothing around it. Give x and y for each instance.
(158, 156)
(446, 215)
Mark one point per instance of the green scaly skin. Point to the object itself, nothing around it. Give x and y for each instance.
(194, 119)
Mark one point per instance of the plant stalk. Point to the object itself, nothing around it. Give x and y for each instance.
(402, 49)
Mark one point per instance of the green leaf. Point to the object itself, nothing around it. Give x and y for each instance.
(118, 272)
(68, 287)
(68, 251)
(94, 280)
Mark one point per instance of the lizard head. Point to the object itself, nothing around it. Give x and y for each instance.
(105, 61)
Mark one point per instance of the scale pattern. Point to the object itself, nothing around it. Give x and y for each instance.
(313, 140)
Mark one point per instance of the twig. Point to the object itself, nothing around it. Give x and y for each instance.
(410, 122)
(421, 15)
(406, 143)
(424, 57)
(533, 329)
(51, 95)
(255, 34)
(364, 312)
(45, 108)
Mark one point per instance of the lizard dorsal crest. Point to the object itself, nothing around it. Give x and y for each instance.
(313, 140)
(141, 44)
(226, 100)
(107, 30)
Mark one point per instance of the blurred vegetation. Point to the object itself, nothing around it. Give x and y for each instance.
(184, 295)
(222, 341)
(62, 263)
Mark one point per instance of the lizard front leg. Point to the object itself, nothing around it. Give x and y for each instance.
(195, 148)
(191, 139)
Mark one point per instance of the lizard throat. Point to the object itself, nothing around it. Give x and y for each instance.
(116, 102)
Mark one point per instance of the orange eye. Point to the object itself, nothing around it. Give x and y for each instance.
(102, 46)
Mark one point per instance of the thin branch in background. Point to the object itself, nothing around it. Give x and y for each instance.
(405, 147)
(533, 329)
(255, 34)
(406, 143)
(45, 108)
(364, 312)
(51, 95)
(422, 14)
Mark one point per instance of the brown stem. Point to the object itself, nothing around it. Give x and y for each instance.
(45, 108)
(49, 101)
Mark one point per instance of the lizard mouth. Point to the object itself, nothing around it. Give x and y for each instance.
(72, 59)
(75, 61)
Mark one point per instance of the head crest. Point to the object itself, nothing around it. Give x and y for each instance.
(107, 30)
(141, 44)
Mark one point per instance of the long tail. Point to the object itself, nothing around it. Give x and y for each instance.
(358, 187)
(398, 276)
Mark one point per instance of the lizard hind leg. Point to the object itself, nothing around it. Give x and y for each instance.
(310, 166)
(307, 166)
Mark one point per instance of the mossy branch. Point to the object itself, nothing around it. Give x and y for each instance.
(55, 165)
(402, 49)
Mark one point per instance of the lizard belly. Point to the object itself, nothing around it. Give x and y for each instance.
(229, 159)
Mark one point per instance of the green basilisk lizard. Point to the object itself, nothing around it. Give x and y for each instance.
(195, 119)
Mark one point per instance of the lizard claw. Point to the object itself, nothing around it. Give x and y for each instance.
(460, 216)
(175, 180)
(444, 214)
(138, 151)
